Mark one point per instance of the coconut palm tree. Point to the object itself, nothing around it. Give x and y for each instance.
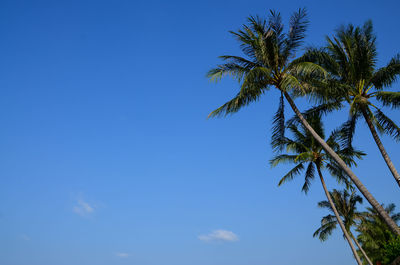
(309, 157)
(374, 232)
(269, 62)
(346, 206)
(354, 80)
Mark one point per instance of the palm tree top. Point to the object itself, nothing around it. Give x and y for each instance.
(303, 149)
(266, 61)
(350, 58)
(346, 205)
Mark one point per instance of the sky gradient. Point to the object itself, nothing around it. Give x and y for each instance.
(108, 156)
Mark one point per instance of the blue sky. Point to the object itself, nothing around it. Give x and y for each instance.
(107, 155)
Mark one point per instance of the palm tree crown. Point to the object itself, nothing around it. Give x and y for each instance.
(350, 58)
(307, 154)
(267, 62)
(346, 205)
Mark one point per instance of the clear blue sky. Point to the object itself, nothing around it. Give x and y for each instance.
(106, 153)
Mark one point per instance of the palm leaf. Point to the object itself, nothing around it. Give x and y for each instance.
(291, 174)
(254, 85)
(387, 75)
(278, 126)
(390, 99)
(389, 126)
(322, 109)
(309, 176)
(298, 25)
(283, 158)
(347, 130)
(235, 70)
(328, 225)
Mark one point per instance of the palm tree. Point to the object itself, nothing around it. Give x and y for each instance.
(309, 156)
(374, 233)
(346, 205)
(350, 58)
(269, 63)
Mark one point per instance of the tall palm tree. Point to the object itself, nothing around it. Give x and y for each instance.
(350, 58)
(309, 156)
(346, 205)
(269, 63)
(374, 232)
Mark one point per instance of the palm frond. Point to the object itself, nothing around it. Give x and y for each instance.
(290, 82)
(350, 154)
(233, 69)
(291, 174)
(258, 25)
(309, 176)
(276, 25)
(388, 98)
(389, 126)
(346, 131)
(248, 43)
(299, 135)
(325, 231)
(253, 87)
(306, 71)
(387, 75)
(235, 104)
(316, 123)
(297, 28)
(283, 158)
(304, 157)
(370, 115)
(295, 146)
(338, 174)
(278, 126)
(321, 57)
(322, 110)
(324, 205)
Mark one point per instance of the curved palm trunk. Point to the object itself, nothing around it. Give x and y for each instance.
(382, 148)
(361, 249)
(374, 203)
(346, 234)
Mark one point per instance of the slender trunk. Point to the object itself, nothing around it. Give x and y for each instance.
(382, 148)
(361, 249)
(374, 203)
(346, 234)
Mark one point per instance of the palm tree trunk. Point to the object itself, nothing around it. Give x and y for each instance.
(361, 249)
(381, 148)
(346, 234)
(374, 203)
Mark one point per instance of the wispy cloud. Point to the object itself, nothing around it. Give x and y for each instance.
(219, 235)
(24, 237)
(83, 208)
(122, 254)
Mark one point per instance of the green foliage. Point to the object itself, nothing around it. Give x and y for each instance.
(350, 59)
(346, 205)
(308, 155)
(391, 250)
(267, 62)
(375, 236)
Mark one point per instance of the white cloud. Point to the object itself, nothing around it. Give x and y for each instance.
(83, 208)
(219, 235)
(122, 255)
